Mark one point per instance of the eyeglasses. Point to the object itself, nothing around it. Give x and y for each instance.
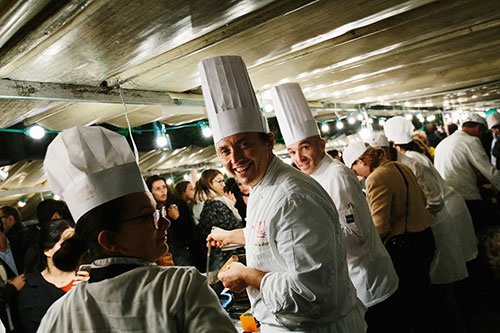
(157, 214)
(218, 181)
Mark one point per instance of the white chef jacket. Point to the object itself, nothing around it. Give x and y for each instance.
(458, 158)
(370, 266)
(145, 299)
(293, 233)
(448, 264)
(457, 209)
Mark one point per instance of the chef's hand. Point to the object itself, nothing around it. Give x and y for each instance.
(237, 277)
(173, 212)
(233, 277)
(218, 237)
(80, 277)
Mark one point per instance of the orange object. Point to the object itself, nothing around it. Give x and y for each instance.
(248, 322)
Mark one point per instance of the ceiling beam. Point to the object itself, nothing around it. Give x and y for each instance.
(25, 90)
(24, 191)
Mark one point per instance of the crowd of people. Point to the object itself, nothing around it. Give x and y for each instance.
(382, 237)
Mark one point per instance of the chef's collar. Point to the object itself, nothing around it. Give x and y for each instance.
(273, 165)
(323, 165)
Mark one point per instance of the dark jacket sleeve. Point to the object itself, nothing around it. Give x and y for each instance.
(7, 293)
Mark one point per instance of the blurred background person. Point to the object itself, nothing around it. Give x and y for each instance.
(184, 190)
(45, 283)
(50, 209)
(185, 251)
(240, 193)
(494, 126)
(214, 208)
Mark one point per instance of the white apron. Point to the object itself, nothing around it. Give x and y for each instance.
(458, 211)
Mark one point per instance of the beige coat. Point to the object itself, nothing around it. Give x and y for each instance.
(386, 195)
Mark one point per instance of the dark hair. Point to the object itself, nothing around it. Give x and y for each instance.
(472, 124)
(452, 128)
(373, 157)
(11, 211)
(48, 207)
(48, 236)
(180, 189)
(232, 186)
(103, 217)
(412, 146)
(204, 184)
(150, 181)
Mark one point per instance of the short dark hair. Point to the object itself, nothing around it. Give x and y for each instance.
(11, 211)
(152, 179)
(471, 124)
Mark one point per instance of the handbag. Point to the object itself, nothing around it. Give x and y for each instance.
(401, 244)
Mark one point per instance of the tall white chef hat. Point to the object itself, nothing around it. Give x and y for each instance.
(293, 114)
(353, 151)
(378, 140)
(88, 166)
(493, 120)
(399, 130)
(230, 100)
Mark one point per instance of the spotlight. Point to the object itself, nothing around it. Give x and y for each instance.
(351, 120)
(206, 131)
(56, 197)
(431, 117)
(370, 120)
(325, 128)
(339, 125)
(381, 121)
(169, 181)
(269, 108)
(36, 132)
(186, 177)
(360, 117)
(161, 141)
(21, 203)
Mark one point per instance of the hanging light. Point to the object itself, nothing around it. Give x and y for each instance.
(56, 197)
(381, 121)
(186, 177)
(206, 131)
(324, 127)
(21, 203)
(161, 141)
(409, 117)
(269, 108)
(351, 120)
(36, 132)
(370, 120)
(339, 124)
(170, 181)
(360, 117)
(431, 117)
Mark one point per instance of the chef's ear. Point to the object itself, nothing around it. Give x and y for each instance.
(105, 240)
(322, 143)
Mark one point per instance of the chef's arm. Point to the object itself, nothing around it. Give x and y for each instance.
(220, 237)
(432, 189)
(481, 162)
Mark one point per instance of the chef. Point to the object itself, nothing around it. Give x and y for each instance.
(449, 264)
(296, 274)
(370, 266)
(459, 158)
(94, 170)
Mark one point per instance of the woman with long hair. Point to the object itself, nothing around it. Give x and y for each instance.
(45, 283)
(214, 208)
(397, 205)
(183, 243)
(184, 190)
(124, 234)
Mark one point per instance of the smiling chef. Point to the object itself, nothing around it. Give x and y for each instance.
(296, 274)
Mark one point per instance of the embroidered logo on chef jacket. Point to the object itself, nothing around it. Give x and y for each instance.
(349, 214)
(261, 230)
